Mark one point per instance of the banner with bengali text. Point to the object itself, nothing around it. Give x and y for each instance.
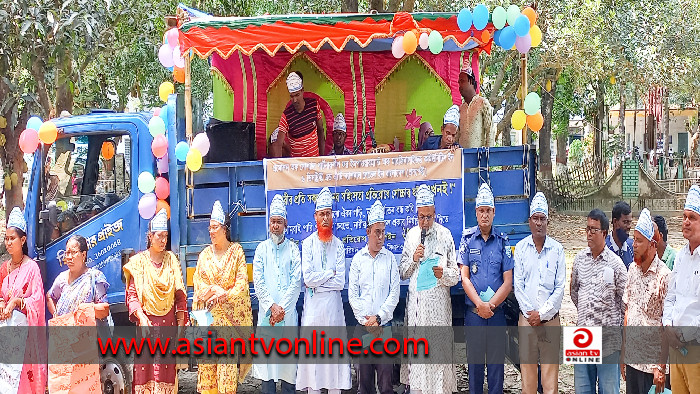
(357, 181)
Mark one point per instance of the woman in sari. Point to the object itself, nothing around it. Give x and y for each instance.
(221, 285)
(22, 291)
(155, 296)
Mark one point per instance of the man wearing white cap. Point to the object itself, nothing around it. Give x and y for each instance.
(539, 278)
(682, 304)
(277, 281)
(340, 129)
(323, 273)
(373, 293)
(476, 113)
(447, 140)
(301, 124)
(487, 276)
(647, 285)
(424, 244)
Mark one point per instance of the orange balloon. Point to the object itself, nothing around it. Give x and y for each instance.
(48, 132)
(107, 150)
(531, 15)
(410, 42)
(535, 122)
(485, 36)
(179, 74)
(162, 204)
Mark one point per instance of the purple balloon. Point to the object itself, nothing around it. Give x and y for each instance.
(523, 44)
(147, 205)
(162, 164)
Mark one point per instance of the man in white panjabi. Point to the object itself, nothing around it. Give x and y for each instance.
(431, 307)
(323, 273)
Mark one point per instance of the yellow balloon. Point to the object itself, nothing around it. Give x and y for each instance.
(48, 132)
(536, 36)
(194, 160)
(517, 121)
(166, 89)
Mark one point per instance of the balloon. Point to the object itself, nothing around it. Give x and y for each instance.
(162, 204)
(535, 121)
(397, 47)
(156, 111)
(517, 121)
(485, 36)
(159, 146)
(498, 17)
(162, 164)
(523, 44)
(497, 37)
(179, 75)
(464, 19)
(435, 42)
(531, 15)
(410, 42)
(34, 123)
(164, 114)
(178, 60)
(512, 14)
(162, 188)
(107, 150)
(28, 141)
(62, 205)
(423, 41)
(181, 150)
(522, 26)
(532, 103)
(481, 16)
(146, 182)
(507, 38)
(48, 132)
(156, 126)
(165, 89)
(173, 37)
(147, 205)
(201, 143)
(165, 55)
(535, 36)
(194, 160)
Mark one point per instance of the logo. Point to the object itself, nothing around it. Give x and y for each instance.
(583, 345)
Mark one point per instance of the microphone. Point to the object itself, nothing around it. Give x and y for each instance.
(423, 234)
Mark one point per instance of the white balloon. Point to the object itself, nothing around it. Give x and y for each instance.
(165, 55)
(178, 60)
(397, 47)
(201, 142)
(423, 41)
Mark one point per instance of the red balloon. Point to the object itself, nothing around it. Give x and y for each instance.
(29, 141)
(159, 146)
(162, 188)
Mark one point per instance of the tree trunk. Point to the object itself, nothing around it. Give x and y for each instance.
(599, 122)
(377, 5)
(622, 115)
(545, 137)
(11, 156)
(634, 124)
(349, 6)
(562, 154)
(408, 5)
(64, 82)
(503, 127)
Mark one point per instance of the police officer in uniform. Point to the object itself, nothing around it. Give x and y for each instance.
(486, 262)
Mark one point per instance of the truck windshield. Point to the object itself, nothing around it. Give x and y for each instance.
(85, 175)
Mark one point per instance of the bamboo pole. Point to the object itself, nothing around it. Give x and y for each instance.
(523, 89)
(189, 175)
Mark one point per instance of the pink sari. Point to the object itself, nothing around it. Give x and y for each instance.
(25, 281)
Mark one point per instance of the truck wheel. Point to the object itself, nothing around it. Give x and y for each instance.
(116, 376)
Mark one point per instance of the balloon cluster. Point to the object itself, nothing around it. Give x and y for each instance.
(37, 130)
(155, 189)
(516, 29)
(531, 115)
(409, 42)
(170, 56)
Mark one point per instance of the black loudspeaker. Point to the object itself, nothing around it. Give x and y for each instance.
(230, 141)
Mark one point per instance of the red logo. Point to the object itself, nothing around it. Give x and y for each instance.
(583, 337)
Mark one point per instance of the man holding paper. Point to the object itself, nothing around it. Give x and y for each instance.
(373, 292)
(487, 277)
(277, 281)
(429, 243)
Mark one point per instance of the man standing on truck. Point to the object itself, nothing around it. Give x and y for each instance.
(539, 278)
(619, 240)
(340, 132)
(486, 262)
(301, 124)
(476, 113)
(447, 139)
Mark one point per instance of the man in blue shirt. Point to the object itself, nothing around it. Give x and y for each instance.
(487, 276)
(619, 240)
(448, 138)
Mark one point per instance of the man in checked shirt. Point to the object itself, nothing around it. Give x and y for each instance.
(598, 281)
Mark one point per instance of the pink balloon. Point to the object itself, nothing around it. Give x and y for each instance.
(173, 37)
(162, 164)
(29, 141)
(523, 44)
(156, 111)
(159, 146)
(147, 206)
(178, 60)
(165, 56)
(162, 188)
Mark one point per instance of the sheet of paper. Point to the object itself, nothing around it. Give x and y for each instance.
(203, 317)
(426, 278)
(487, 295)
(652, 390)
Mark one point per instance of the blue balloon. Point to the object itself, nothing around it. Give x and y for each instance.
(481, 16)
(171, 69)
(522, 26)
(34, 123)
(164, 115)
(181, 150)
(464, 19)
(507, 38)
(497, 37)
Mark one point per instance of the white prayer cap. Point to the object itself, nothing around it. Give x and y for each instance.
(217, 213)
(277, 207)
(16, 220)
(160, 221)
(484, 197)
(424, 196)
(294, 83)
(451, 116)
(539, 205)
(324, 200)
(692, 202)
(376, 213)
(645, 225)
(339, 123)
